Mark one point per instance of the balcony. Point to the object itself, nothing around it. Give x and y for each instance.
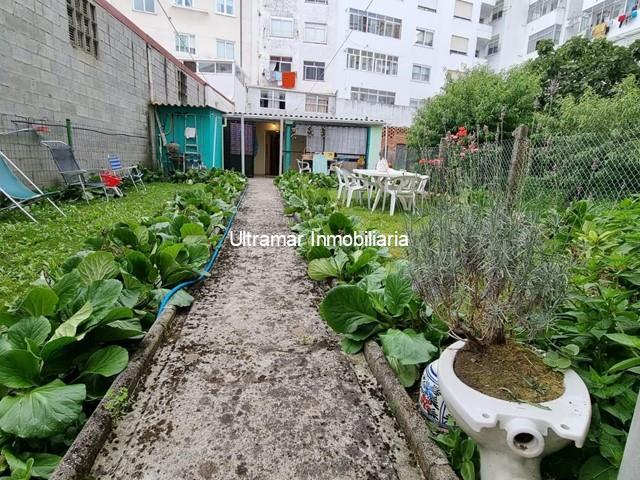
(484, 31)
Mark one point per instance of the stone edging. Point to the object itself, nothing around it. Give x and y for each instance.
(432, 460)
(77, 462)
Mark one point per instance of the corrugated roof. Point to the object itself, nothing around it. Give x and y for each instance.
(306, 118)
(162, 104)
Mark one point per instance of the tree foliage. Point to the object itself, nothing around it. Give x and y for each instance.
(581, 64)
(480, 98)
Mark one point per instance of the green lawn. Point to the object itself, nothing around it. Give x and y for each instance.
(27, 247)
(382, 222)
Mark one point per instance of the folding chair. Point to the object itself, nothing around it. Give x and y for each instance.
(72, 174)
(132, 173)
(17, 192)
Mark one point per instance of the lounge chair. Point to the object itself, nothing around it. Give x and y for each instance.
(72, 174)
(17, 192)
(132, 173)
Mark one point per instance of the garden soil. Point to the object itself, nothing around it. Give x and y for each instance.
(251, 384)
(509, 372)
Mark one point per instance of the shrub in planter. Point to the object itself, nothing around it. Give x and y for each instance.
(488, 274)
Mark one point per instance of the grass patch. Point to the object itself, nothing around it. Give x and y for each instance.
(28, 248)
(383, 223)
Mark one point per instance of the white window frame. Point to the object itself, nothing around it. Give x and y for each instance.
(225, 44)
(369, 95)
(273, 98)
(316, 103)
(493, 46)
(183, 3)
(217, 67)
(191, 43)
(428, 5)
(144, 6)
(416, 102)
(225, 4)
(369, 22)
(314, 66)
(318, 2)
(458, 52)
(274, 59)
(283, 20)
(424, 32)
(368, 61)
(467, 5)
(420, 70)
(316, 27)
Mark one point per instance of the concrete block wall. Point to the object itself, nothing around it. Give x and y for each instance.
(44, 77)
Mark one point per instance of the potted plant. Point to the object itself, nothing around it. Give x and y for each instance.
(486, 271)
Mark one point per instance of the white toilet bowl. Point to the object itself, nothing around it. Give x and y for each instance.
(513, 437)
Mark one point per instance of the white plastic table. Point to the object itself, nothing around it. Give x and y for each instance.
(379, 177)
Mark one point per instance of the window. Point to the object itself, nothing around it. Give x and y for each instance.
(552, 33)
(424, 37)
(314, 71)
(373, 96)
(372, 62)
(420, 73)
(463, 10)
(323, 2)
(185, 43)
(224, 6)
(316, 103)
(282, 27)
(373, 23)
(315, 32)
(493, 46)
(498, 10)
(183, 3)
(225, 49)
(83, 28)
(147, 6)
(272, 99)
(416, 102)
(459, 45)
(453, 75)
(541, 8)
(182, 87)
(428, 5)
(215, 67)
(601, 13)
(280, 64)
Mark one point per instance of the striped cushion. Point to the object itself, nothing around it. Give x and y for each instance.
(114, 162)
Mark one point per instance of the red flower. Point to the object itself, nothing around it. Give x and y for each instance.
(435, 161)
(462, 132)
(422, 161)
(41, 128)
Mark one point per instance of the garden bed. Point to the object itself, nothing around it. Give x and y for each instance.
(65, 338)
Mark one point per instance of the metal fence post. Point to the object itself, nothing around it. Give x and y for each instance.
(630, 468)
(519, 160)
(69, 132)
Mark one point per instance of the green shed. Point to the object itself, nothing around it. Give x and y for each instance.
(196, 129)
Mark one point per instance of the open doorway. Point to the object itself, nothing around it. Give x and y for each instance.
(273, 152)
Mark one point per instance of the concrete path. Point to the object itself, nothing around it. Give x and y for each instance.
(251, 383)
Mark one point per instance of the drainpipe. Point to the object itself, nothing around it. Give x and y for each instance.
(281, 146)
(242, 143)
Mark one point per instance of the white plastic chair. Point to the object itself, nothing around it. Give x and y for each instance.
(421, 189)
(353, 185)
(303, 167)
(342, 183)
(402, 188)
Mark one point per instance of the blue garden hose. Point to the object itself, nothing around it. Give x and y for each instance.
(210, 263)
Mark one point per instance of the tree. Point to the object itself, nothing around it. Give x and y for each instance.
(580, 64)
(480, 98)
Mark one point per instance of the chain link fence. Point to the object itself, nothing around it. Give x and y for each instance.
(20, 139)
(539, 168)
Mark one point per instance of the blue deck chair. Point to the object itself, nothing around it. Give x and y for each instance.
(16, 191)
(72, 174)
(132, 172)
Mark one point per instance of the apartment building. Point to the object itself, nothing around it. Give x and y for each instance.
(360, 58)
(204, 34)
(518, 26)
